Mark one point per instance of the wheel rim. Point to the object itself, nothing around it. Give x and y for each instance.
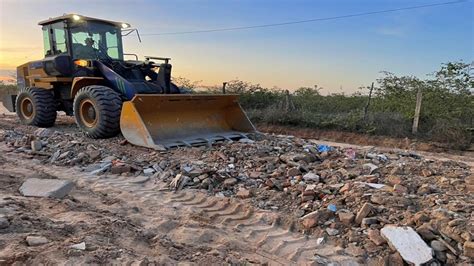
(27, 108)
(88, 113)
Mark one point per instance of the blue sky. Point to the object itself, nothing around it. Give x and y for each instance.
(345, 53)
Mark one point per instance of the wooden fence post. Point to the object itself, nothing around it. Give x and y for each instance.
(366, 109)
(223, 87)
(416, 119)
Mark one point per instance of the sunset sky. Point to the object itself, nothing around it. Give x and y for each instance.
(345, 53)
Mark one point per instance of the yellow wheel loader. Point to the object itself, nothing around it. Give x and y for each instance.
(84, 74)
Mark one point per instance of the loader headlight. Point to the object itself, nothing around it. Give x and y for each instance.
(125, 25)
(81, 63)
(76, 17)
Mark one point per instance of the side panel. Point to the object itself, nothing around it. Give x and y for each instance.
(80, 82)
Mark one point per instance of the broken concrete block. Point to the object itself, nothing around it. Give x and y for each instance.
(469, 249)
(375, 236)
(346, 217)
(120, 168)
(36, 145)
(310, 219)
(408, 244)
(363, 212)
(36, 240)
(243, 193)
(55, 188)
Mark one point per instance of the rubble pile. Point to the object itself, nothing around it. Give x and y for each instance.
(350, 196)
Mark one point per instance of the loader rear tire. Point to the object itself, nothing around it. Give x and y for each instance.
(36, 107)
(97, 111)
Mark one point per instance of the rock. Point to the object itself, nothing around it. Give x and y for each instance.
(36, 145)
(229, 182)
(55, 188)
(4, 223)
(375, 236)
(394, 180)
(310, 219)
(363, 212)
(395, 260)
(469, 249)
(243, 193)
(311, 177)
(93, 154)
(36, 240)
(346, 217)
(354, 250)
(370, 167)
(437, 245)
(332, 232)
(120, 168)
(400, 189)
(80, 246)
(426, 232)
(408, 243)
(293, 172)
(64, 155)
(368, 221)
(55, 156)
(148, 171)
(254, 174)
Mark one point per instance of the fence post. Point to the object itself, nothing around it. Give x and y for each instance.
(416, 119)
(368, 102)
(223, 87)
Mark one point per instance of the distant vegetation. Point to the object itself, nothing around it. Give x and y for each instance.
(447, 110)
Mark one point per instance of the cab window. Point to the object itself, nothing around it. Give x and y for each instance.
(60, 40)
(46, 42)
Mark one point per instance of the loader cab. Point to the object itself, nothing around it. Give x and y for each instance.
(72, 37)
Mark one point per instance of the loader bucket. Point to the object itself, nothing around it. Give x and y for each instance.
(162, 121)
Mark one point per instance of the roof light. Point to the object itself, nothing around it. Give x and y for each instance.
(125, 25)
(76, 17)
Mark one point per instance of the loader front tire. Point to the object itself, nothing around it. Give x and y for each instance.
(97, 111)
(36, 107)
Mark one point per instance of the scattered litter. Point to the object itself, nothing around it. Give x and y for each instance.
(324, 148)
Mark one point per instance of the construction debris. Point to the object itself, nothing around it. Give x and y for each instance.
(346, 195)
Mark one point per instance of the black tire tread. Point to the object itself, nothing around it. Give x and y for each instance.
(109, 105)
(45, 106)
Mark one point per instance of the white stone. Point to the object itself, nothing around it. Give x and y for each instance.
(311, 177)
(80, 246)
(36, 240)
(408, 243)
